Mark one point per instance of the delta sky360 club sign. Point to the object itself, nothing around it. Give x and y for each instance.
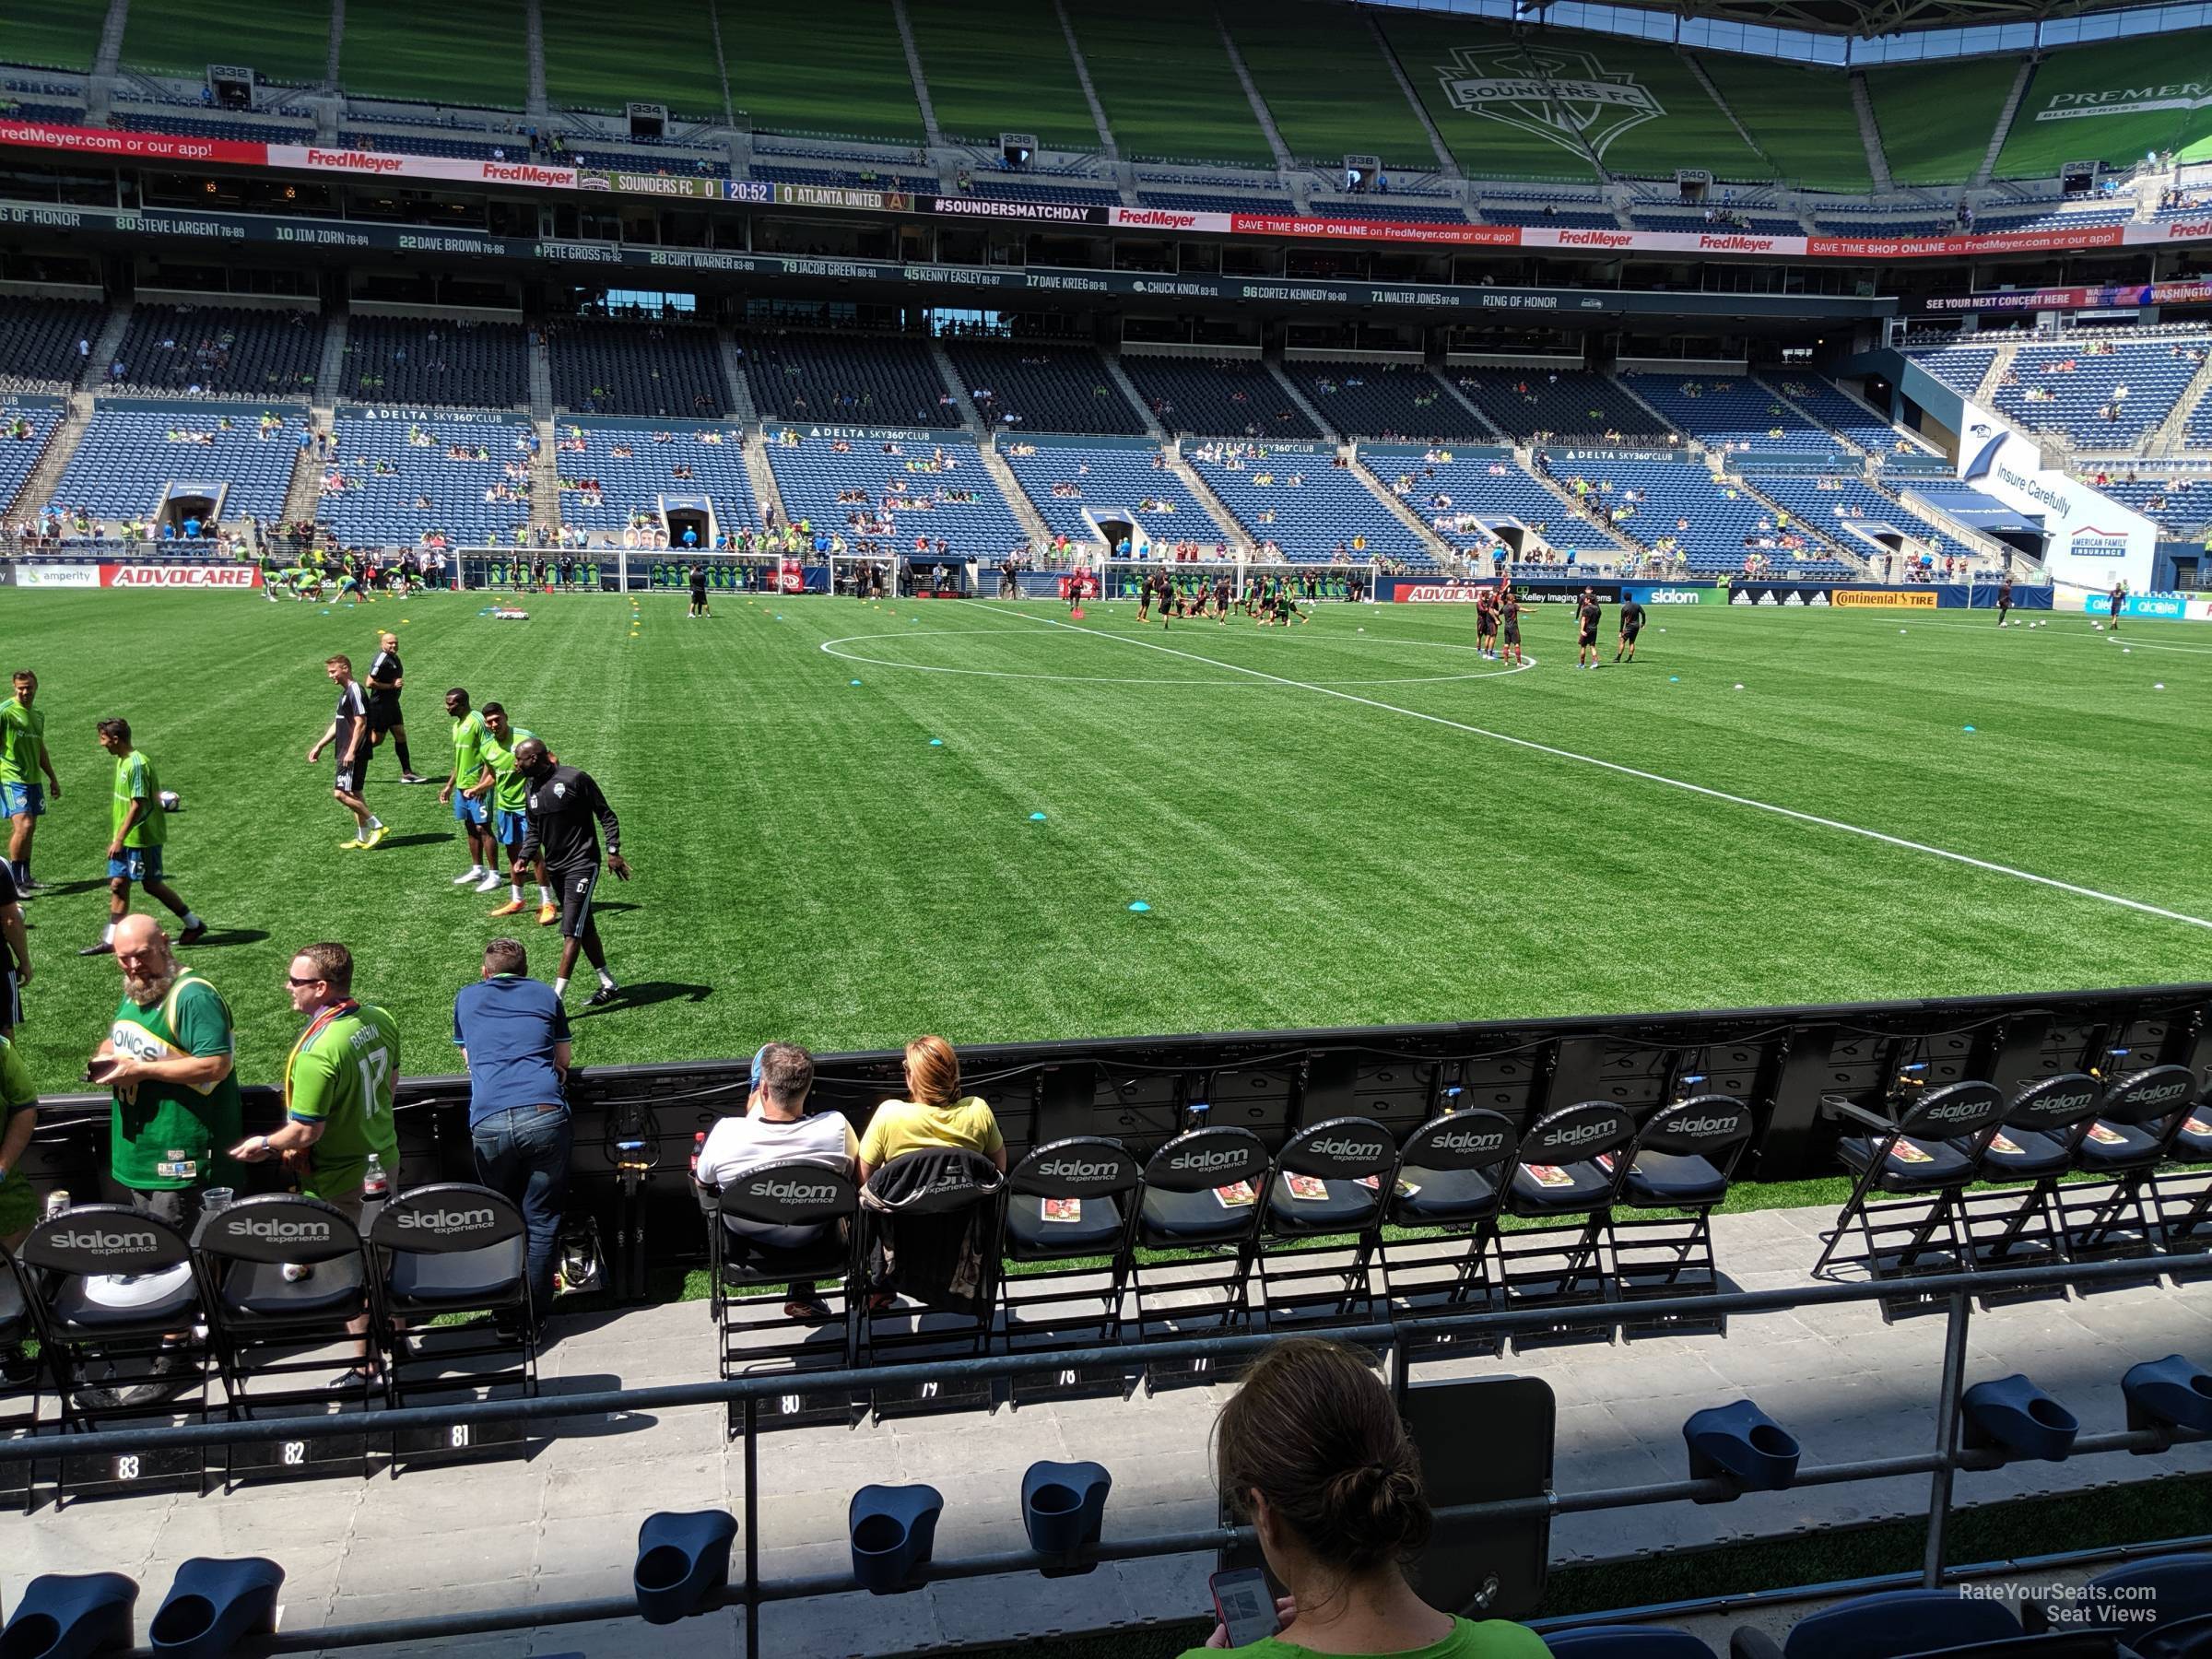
(1565, 96)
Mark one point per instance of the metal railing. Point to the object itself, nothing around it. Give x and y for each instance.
(750, 1591)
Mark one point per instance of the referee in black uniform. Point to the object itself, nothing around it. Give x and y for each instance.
(562, 807)
(386, 679)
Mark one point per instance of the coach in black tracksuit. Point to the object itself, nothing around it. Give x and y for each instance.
(563, 806)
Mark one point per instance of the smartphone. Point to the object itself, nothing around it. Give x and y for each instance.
(97, 1071)
(1245, 1605)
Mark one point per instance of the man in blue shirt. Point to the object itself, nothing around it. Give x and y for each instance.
(515, 1040)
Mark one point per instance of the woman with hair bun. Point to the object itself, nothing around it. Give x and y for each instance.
(1311, 1452)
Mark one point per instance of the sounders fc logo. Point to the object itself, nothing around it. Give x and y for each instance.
(1567, 97)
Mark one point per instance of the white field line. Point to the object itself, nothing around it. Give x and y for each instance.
(1636, 772)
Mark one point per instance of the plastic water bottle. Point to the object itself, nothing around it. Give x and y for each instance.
(57, 1203)
(375, 1183)
(699, 1144)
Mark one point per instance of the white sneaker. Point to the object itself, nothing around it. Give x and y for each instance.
(491, 882)
(470, 876)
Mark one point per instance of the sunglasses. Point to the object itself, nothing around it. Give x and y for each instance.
(312, 979)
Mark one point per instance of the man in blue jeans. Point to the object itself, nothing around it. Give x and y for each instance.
(514, 1041)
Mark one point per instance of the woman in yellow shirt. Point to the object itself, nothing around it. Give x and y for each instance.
(934, 1115)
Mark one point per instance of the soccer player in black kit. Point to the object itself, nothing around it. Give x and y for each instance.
(562, 805)
(2004, 597)
(1589, 613)
(1631, 624)
(386, 679)
(1509, 618)
(698, 591)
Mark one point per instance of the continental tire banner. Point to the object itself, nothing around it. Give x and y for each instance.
(1884, 598)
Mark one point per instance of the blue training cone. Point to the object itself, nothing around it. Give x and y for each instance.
(936, 743)
(1036, 818)
(853, 682)
(1140, 907)
(1966, 728)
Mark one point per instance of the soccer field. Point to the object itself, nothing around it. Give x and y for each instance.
(832, 805)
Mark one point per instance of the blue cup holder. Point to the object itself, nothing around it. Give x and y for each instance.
(2013, 1415)
(1063, 1506)
(893, 1530)
(1743, 1445)
(683, 1562)
(2166, 1395)
(212, 1605)
(70, 1615)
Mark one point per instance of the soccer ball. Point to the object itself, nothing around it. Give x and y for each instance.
(171, 801)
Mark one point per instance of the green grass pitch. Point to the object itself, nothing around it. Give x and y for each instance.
(1329, 825)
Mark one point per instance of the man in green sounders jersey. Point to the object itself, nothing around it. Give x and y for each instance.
(337, 1098)
(337, 1084)
(510, 802)
(23, 759)
(469, 790)
(167, 1058)
(139, 826)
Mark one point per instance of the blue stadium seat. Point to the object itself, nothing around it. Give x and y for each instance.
(1391, 401)
(1562, 406)
(402, 476)
(1224, 397)
(39, 340)
(1040, 387)
(1309, 509)
(127, 458)
(439, 361)
(2103, 395)
(636, 368)
(895, 490)
(1731, 412)
(634, 466)
(1075, 487)
(220, 350)
(854, 380)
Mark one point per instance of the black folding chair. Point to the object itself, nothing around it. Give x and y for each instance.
(933, 1227)
(1685, 1156)
(453, 1251)
(1567, 1176)
(1068, 1203)
(2180, 1195)
(744, 1273)
(114, 1302)
(2004, 1224)
(19, 1396)
(1918, 1158)
(2109, 1216)
(270, 1331)
(1200, 1199)
(1329, 1185)
(1447, 1194)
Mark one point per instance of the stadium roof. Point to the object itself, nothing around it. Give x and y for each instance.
(1872, 18)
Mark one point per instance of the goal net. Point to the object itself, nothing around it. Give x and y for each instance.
(1308, 583)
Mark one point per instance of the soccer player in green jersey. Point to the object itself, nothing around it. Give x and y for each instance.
(469, 791)
(509, 802)
(23, 758)
(138, 829)
(337, 1098)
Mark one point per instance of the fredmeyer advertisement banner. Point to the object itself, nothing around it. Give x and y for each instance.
(2090, 540)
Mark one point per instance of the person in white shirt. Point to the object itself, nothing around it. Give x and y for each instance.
(777, 1128)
